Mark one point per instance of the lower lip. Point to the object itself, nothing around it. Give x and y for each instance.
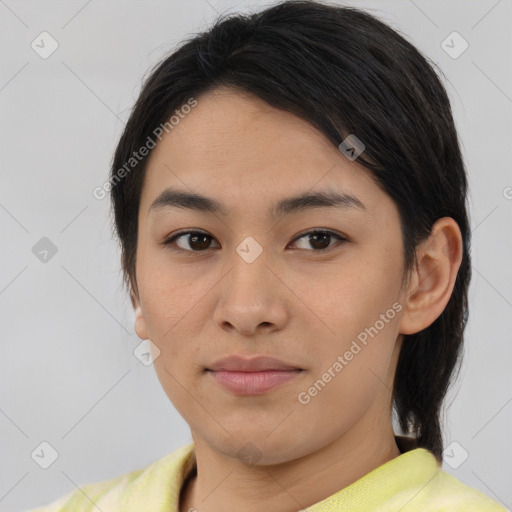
(253, 383)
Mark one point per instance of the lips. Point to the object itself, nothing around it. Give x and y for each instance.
(254, 364)
(254, 376)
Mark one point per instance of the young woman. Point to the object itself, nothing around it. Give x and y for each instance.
(290, 198)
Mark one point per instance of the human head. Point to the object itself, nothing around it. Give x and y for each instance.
(344, 72)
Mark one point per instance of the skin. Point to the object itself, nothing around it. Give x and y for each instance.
(294, 302)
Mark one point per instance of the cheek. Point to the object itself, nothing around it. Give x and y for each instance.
(351, 376)
(360, 314)
(350, 296)
(169, 300)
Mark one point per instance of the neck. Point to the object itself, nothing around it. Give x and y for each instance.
(224, 483)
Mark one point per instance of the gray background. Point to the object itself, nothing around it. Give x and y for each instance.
(68, 374)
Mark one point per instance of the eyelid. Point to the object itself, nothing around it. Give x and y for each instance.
(190, 231)
(312, 231)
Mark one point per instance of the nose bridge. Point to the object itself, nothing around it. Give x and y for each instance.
(249, 267)
(248, 296)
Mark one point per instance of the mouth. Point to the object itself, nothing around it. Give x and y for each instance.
(255, 376)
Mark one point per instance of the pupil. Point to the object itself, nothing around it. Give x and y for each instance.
(204, 245)
(313, 240)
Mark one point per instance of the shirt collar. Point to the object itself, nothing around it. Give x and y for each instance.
(159, 485)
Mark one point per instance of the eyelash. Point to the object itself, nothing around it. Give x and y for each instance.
(170, 242)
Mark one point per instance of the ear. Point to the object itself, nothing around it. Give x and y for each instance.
(140, 322)
(431, 282)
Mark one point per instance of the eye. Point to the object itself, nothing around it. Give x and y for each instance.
(191, 241)
(198, 241)
(320, 240)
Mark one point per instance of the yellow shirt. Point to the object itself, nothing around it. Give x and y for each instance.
(412, 482)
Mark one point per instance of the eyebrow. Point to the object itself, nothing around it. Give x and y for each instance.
(174, 198)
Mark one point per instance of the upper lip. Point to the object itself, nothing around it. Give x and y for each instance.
(252, 364)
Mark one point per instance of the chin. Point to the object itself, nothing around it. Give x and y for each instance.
(255, 448)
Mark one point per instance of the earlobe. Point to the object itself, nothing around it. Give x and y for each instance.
(433, 278)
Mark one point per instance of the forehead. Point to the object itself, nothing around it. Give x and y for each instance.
(237, 147)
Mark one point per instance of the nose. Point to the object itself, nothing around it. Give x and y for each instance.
(252, 297)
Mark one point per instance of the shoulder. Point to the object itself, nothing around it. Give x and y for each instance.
(429, 488)
(111, 494)
(85, 498)
(445, 493)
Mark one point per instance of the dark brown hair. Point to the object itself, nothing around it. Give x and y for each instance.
(345, 72)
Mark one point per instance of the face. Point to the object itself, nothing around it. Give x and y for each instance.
(247, 280)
